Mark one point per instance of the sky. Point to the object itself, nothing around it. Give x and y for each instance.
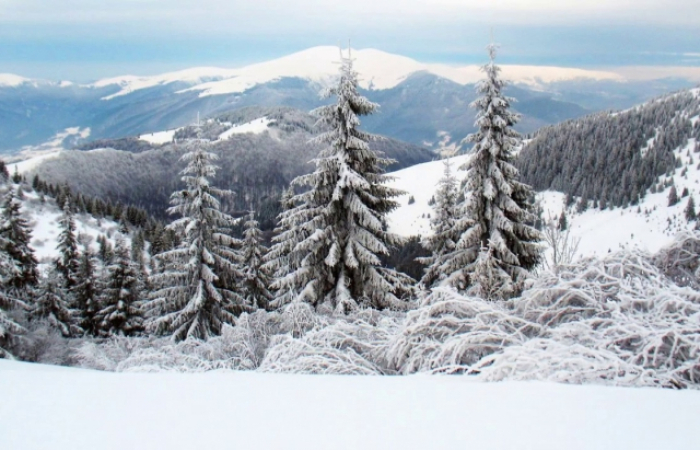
(83, 40)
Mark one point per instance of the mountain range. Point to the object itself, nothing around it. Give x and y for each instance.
(423, 104)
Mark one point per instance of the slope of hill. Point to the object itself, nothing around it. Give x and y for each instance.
(649, 223)
(260, 149)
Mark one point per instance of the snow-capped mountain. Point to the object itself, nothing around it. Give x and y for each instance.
(425, 104)
(378, 70)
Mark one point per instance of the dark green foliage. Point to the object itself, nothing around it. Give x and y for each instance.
(673, 196)
(690, 213)
(16, 236)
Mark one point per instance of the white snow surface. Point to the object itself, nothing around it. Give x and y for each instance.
(160, 137)
(67, 408)
(649, 226)
(256, 126)
(30, 157)
(377, 69)
(12, 80)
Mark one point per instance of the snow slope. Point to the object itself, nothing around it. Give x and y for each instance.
(11, 80)
(161, 137)
(256, 126)
(649, 226)
(66, 408)
(378, 70)
(31, 156)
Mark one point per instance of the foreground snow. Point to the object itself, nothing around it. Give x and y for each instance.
(61, 408)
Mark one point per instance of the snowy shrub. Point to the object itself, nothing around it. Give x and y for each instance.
(349, 345)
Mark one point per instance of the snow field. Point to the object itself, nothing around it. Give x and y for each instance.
(78, 409)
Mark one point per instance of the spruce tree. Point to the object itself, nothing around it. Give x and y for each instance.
(672, 196)
(279, 260)
(69, 258)
(16, 235)
(494, 228)
(9, 328)
(342, 216)
(690, 213)
(122, 302)
(86, 294)
(444, 237)
(193, 295)
(51, 305)
(255, 278)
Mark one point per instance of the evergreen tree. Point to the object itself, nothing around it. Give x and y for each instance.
(69, 259)
(494, 228)
(16, 235)
(51, 305)
(189, 300)
(690, 213)
(672, 196)
(443, 220)
(9, 328)
(256, 279)
(279, 260)
(86, 294)
(122, 305)
(563, 223)
(341, 218)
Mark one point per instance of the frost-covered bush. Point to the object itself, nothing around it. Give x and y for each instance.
(619, 320)
(347, 345)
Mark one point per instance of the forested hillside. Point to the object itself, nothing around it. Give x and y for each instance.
(612, 159)
(256, 165)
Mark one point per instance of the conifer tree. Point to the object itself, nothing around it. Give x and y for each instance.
(69, 258)
(86, 294)
(52, 306)
(444, 237)
(193, 297)
(341, 218)
(9, 328)
(122, 303)
(256, 280)
(16, 235)
(672, 196)
(494, 228)
(279, 261)
(690, 213)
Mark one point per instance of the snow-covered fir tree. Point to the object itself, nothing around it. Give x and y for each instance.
(442, 222)
(494, 229)
(9, 328)
(16, 235)
(341, 219)
(122, 301)
(86, 294)
(194, 294)
(256, 279)
(69, 257)
(51, 305)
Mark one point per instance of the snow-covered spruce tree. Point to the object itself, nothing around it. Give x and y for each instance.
(86, 294)
(51, 305)
(122, 302)
(69, 258)
(496, 210)
(444, 237)
(193, 297)
(256, 279)
(9, 328)
(279, 260)
(342, 217)
(16, 235)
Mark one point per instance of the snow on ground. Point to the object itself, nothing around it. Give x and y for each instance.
(11, 80)
(649, 226)
(257, 126)
(160, 137)
(66, 408)
(31, 156)
(43, 219)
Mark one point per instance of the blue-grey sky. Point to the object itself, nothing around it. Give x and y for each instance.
(83, 40)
